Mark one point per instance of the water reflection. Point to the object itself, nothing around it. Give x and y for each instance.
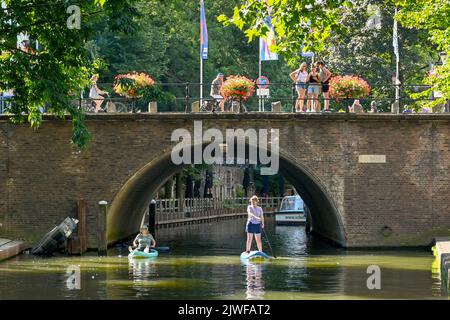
(141, 269)
(204, 264)
(254, 280)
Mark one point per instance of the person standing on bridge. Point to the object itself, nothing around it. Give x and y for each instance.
(300, 78)
(325, 76)
(216, 87)
(255, 223)
(314, 90)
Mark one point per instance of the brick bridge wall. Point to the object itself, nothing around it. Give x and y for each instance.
(402, 202)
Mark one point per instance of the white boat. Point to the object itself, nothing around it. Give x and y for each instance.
(291, 212)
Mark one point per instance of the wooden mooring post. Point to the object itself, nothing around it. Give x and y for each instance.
(77, 242)
(152, 217)
(101, 228)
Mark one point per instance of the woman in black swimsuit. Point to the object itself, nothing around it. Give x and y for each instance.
(314, 90)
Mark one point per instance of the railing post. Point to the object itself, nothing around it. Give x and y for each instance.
(186, 108)
(293, 98)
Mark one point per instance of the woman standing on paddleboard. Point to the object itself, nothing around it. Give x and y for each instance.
(255, 223)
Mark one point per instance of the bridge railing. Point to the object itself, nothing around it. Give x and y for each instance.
(276, 97)
(171, 210)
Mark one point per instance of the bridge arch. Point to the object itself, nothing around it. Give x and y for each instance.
(133, 199)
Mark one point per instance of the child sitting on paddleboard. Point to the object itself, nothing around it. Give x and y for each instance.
(254, 224)
(144, 240)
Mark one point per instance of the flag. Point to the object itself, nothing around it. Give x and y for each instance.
(395, 41)
(267, 41)
(203, 31)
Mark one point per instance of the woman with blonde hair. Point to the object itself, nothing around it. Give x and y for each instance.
(255, 223)
(300, 78)
(96, 94)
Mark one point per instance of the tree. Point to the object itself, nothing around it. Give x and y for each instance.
(300, 25)
(364, 48)
(354, 37)
(51, 74)
(432, 16)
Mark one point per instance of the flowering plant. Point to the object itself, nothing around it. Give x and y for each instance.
(238, 87)
(343, 87)
(132, 85)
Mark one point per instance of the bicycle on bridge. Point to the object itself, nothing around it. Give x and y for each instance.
(212, 104)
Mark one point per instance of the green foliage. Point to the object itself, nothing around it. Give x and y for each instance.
(433, 16)
(339, 33)
(156, 93)
(47, 76)
(300, 25)
(166, 46)
(366, 50)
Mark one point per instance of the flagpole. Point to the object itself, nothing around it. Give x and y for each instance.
(201, 59)
(201, 77)
(259, 75)
(397, 65)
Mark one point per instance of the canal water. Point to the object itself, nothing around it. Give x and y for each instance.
(204, 264)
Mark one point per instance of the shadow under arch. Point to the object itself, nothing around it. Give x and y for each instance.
(133, 199)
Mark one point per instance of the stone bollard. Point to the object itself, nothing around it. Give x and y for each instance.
(395, 107)
(276, 106)
(101, 228)
(195, 106)
(152, 107)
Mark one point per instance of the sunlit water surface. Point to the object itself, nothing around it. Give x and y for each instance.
(204, 264)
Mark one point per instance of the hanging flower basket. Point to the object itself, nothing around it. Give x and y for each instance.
(133, 85)
(238, 87)
(349, 87)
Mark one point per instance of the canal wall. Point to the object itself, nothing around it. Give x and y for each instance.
(378, 180)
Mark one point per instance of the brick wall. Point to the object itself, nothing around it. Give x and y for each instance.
(403, 202)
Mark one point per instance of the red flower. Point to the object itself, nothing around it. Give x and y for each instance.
(129, 85)
(349, 87)
(238, 87)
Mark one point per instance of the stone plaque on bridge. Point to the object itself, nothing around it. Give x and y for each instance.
(372, 158)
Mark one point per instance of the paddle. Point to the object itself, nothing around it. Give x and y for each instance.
(270, 246)
(160, 249)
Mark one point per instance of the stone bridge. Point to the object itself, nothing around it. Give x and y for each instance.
(370, 180)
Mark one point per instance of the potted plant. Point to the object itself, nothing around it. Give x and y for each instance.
(239, 88)
(349, 87)
(133, 85)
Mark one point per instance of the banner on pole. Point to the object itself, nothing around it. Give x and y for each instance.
(203, 31)
(395, 41)
(267, 41)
